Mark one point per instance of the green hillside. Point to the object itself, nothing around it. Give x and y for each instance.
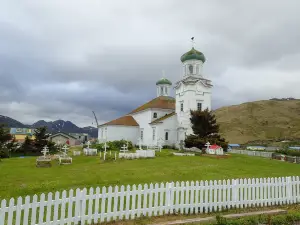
(261, 120)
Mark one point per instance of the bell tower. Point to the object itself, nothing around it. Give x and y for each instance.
(193, 91)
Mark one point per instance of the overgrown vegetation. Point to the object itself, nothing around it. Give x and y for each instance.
(5, 139)
(285, 219)
(205, 129)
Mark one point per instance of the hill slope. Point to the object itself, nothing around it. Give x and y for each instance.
(261, 120)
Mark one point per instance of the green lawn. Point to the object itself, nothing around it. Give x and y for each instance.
(20, 177)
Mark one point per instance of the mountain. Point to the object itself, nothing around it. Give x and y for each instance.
(11, 122)
(260, 120)
(52, 126)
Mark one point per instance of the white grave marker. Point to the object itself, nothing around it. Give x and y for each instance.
(65, 148)
(88, 144)
(207, 145)
(45, 151)
(105, 147)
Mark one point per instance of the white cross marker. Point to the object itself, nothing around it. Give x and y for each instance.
(65, 148)
(45, 151)
(88, 144)
(105, 146)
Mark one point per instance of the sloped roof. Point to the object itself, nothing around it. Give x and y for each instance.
(161, 102)
(163, 118)
(214, 147)
(62, 134)
(124, 120)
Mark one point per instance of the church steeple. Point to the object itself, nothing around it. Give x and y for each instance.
(163, 87)
(192, 62)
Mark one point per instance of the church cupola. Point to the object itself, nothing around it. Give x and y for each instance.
(163, 87)
(192, 62)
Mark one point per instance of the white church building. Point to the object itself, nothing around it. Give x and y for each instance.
(165, 119)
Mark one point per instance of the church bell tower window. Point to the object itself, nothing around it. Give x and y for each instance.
(191, 69)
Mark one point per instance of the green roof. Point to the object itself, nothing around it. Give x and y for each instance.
(193, 54)
(164, 81)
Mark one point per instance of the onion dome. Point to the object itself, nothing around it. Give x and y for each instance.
(163, 81)
(193, 54)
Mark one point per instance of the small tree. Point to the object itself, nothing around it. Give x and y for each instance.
(206, 129)
(27, 146)
(5, 138)
(41, 138)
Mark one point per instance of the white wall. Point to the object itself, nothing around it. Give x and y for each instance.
(144, 118)
(170, 125)
(118, 132)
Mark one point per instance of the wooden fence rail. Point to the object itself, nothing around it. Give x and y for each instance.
(253, 153)
(115, 203)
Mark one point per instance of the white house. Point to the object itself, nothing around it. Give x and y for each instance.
(214, 150)
(165, 118)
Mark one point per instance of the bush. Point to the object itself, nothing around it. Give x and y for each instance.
(4, 153)
(288, 152)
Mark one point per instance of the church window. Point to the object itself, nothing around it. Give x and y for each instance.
(181, 107)
(166, 136)
(166, 91)
(197, 69)
(155, 115)
(191, 69)
(161, 91)
(142, 134)
(199, 106)
(153, 134)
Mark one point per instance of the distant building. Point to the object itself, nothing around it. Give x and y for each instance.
(82, 137)
(294, 148)
(256, 148)
(21, 133)
(233, 146)
(63, 138)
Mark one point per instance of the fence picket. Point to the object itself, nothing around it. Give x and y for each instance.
(97, 202)
(63, 207)
(145, 196)
(109, 200)
(132, 216)
(159, 199)
(139, 202)
(2, 212)
(103, 205)
(41, 211)
(19, 211)
(70, 207)
(116, 199)
(10, 211)
(83, 206)
(150, 211)
(90, 207)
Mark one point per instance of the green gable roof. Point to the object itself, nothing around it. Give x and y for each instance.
(193, 54)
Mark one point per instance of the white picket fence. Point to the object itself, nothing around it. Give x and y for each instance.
(252, 153)
(109, 204)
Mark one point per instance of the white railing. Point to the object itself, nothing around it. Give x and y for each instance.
(108, 204)
(253, 153)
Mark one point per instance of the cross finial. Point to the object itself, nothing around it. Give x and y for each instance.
(193, 42)
(65, 148)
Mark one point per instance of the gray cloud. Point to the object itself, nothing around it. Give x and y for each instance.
(63, 59)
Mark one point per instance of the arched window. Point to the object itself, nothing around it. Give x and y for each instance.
(155, 115)
(166, 136)
(166, 90)
(161, 90)
(191, 69)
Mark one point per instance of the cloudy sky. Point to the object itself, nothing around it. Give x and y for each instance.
(63, 59)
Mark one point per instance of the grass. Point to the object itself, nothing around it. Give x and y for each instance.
(20, 177)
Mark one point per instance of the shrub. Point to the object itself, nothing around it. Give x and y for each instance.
(4, 153)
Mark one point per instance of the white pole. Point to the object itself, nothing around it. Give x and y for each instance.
(104, 156)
